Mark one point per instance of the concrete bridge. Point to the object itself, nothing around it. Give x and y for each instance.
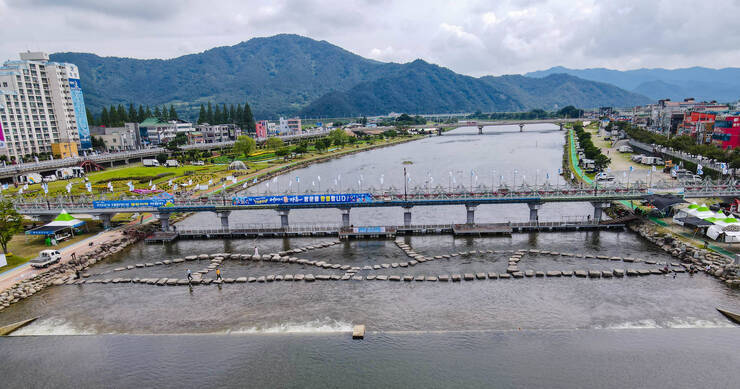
(482, 124)
(12, 172)
(533, 196)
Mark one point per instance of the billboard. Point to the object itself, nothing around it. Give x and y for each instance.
(2, 136)
(342, 198)
(109, 204)
(78, 102)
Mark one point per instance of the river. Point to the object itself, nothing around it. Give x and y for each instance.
(503, 333)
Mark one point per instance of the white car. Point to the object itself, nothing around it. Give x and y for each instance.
(46, 258)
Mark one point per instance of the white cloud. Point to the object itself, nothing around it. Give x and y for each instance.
(470, 36)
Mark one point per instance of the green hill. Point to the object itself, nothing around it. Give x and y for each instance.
(290, 74)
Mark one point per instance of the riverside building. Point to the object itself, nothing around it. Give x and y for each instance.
(41, 103)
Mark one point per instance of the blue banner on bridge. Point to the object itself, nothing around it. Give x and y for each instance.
(109, 204)
(304, 199)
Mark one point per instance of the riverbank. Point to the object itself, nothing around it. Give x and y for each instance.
(687, 250)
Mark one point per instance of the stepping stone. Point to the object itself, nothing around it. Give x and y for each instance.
(504, 275)
(261, 279)
(517, 274)
(381, 278)
(656, 271)
(288, 277)
(119, 269)
(492, 276)
(632, 272)
(129, 267)
(370, 277)
(346, 277)
(357, 278)
(444, 278)
(182, 282)
(468, 277)
(394, 264)
(408, 278)
(529, 273)
(455, 278)
(594, 274)
(413, 263)
(309, 278)
(172, 281)
(161, 281)
(241, 279)
(628, 259)
(403, 264)
(298, 277)
(394, 278)
(228, 280)
(385, 265)
(335, 277)
(567, 273)
(270, 278)
(615, 258)
(148, 264)
(581, 273)
(191, 257)
(618, 273)
(644, 272)
(431, 278)
(607, 274)
(419, 278)
(480, 276)
(376, 267)
(167, 262)
(539, 274)
(553, 273)
(139, 265)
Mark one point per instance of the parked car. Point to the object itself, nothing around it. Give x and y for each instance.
(198, 163)
(46, 258)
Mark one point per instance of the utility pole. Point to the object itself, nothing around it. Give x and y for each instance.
(405, 193)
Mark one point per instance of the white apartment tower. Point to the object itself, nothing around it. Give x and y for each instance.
(41, 103)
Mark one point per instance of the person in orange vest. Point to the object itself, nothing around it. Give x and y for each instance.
(218, 274)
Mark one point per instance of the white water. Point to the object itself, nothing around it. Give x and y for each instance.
(688, 322)
(325, 325)
(52, 326)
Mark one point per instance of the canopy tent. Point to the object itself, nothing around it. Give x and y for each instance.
(693, 221)
(662, 202)
(57, 228)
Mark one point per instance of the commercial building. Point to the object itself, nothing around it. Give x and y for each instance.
(727, 133)
(41, 103)
(213, 133)
(123, 138)
(155, 131)
(64, 150)
(289, 126)
(261, 129)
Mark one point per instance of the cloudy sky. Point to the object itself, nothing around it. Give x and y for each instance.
(470, 37)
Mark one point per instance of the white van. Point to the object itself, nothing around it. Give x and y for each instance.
(150, 162)
(46, 258)
(171, 163)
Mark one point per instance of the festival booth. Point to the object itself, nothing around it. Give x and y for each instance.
(64, 226)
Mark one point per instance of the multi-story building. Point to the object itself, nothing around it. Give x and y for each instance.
(212, 133)
(155, 131)
(294, 125)
(41, 103)
(119, 138)
(261, 129)
(727, 132)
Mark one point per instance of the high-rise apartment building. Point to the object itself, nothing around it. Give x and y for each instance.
(41, 103)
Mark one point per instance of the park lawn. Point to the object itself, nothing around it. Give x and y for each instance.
(13, 261)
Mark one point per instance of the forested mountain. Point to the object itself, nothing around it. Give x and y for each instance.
(290, 74)
(698, 82)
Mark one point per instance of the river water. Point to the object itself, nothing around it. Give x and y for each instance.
(563, 332)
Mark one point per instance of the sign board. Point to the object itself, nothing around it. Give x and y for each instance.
(2, 137)
(368, 230)
(144, 203)
(304, 199)
(78, 103)
(3, 261)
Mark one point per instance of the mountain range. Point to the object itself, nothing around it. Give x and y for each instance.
(676, 84)
(294, 75)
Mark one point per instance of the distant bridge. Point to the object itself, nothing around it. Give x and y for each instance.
(482, 124)
(533, 196)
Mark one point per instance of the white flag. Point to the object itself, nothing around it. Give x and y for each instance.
(210, 182)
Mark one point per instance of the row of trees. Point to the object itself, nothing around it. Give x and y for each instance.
(241, 116)
(116, 116)
(589, 150)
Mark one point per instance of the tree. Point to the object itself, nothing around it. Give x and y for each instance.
(248, 121)
(602, 161)
(157, 112)
(132, 116)
(122, 116)
(161, 158)
(141, 115)
(323, 144)
(338, 137)
(10, 223)
(104, 118)
(302, 147)
(202, 115)
(274, 143)
(173, 113)
(90, 118)
(209, 114)
(98, 143)
(244, 145)
(283, 151)
(217, 116)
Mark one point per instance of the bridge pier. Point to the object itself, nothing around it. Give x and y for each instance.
(345, 216)
(521, 127)
(599, 209)
(480, 130)
(105, 218)
(470, 210)
(283, 217)
(407, 216)
(224, 215)
(533, 209)
(164, 220)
